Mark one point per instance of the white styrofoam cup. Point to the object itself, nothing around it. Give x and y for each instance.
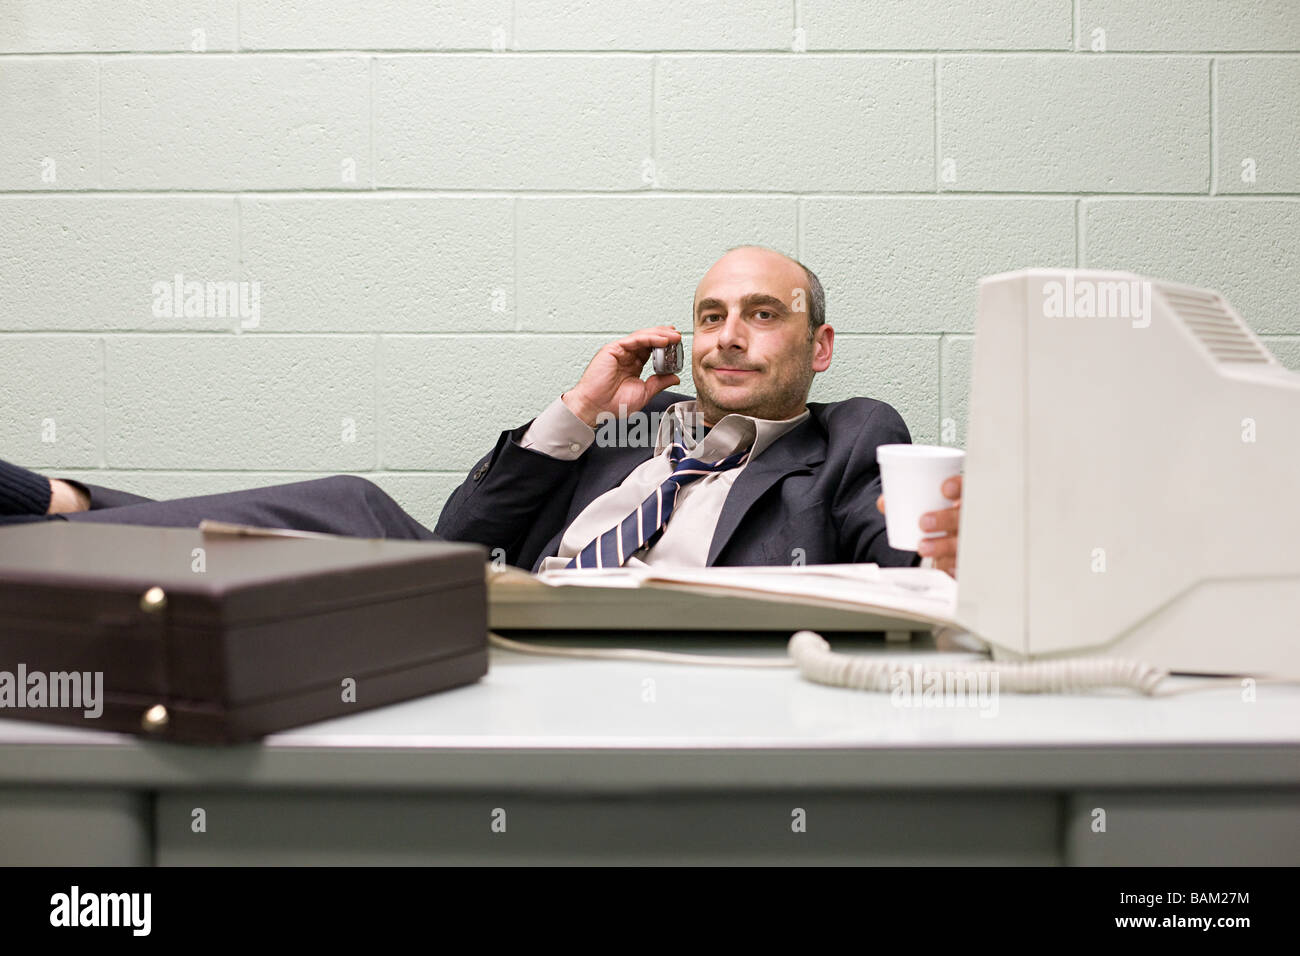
(911, 478)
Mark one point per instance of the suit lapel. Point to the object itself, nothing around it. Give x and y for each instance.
(616, 464)
(799, 449)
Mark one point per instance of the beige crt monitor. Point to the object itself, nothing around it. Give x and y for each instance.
(1132, 479)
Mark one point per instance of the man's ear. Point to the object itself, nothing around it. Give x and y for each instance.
(823, 345)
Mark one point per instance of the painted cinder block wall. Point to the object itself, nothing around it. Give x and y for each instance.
(447, 207)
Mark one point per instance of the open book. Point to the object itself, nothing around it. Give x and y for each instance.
(835, 597)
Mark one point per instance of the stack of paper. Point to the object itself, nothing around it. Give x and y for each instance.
(855, 597)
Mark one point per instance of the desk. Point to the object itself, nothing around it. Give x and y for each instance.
(572, 761)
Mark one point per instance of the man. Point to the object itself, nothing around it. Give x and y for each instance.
(746, 474)
(769, 480)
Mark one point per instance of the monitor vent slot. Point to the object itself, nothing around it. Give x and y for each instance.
(1224, 335)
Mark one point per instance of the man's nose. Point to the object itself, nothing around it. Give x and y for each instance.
(732, 333)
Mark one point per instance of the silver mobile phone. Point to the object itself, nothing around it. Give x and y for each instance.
(669, 360)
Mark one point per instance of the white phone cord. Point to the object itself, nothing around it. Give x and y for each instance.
(817, 662)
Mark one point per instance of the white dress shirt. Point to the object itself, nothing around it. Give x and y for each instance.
(560, 433)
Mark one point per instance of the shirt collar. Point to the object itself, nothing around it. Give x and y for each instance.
(732, 433)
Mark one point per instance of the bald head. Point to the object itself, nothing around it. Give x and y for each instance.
(791, 274)
(759, 335)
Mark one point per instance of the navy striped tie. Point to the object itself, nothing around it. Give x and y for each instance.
(644, 525)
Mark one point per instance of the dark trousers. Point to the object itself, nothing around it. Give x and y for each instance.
(343, 504)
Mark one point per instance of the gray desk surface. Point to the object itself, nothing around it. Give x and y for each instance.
(594, 710)
(589, 729)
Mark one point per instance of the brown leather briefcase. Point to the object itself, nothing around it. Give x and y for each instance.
(220, 638)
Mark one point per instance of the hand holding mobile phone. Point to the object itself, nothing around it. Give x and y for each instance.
(612, 380)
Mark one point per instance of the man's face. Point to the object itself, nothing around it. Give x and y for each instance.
(751, 353)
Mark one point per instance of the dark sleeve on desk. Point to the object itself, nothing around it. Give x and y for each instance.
(862, 526)
(506, 493)
(23, 492)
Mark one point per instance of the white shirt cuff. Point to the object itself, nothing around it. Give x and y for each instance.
(559, 433)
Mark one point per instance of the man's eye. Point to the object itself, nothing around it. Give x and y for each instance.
(764, 312)
(708, 318)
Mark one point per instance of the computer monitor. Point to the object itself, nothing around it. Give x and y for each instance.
(1132, 479)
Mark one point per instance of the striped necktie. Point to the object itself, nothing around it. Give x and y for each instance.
(644, 525)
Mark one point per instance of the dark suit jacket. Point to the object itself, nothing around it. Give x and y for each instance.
(814, 488)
